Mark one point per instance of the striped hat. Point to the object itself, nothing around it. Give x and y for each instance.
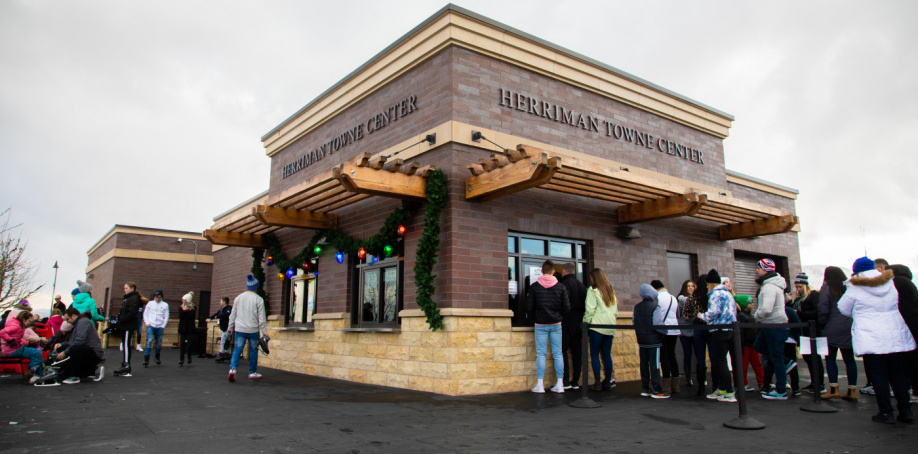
(767, 264)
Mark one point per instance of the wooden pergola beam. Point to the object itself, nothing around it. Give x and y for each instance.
(287, 217)
(369, 180)
(226, 238)
(662, 208)
(759, 227)
(511, 178)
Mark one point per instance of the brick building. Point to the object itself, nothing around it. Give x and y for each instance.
(155, 259)
(546, 153)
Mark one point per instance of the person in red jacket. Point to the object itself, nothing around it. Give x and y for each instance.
(14, 347)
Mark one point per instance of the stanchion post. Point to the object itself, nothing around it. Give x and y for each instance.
(817, 406)
(584, 401)
(743, 421)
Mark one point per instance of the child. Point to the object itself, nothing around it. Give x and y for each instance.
(744, 315)
(649, 340)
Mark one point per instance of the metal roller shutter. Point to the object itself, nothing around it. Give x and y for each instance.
(744, 281)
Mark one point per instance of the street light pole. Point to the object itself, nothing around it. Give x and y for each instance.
(54, 286)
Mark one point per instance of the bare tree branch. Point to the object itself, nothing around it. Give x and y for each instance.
(17, 273)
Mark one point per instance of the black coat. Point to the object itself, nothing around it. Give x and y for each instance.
(747, 335)
(643, 316)
(223, 314)
(547, 306)
(908, 297)
(186, 321)
(576, 293)
(127, 316)
(809, 309)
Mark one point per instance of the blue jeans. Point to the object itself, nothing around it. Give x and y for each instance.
(252, 339)
(542, 335)
(601, 344)
(770, 342)
(33, 355)
(152, 333)
(850, 365)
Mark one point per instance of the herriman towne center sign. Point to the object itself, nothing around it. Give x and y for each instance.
(555, 112)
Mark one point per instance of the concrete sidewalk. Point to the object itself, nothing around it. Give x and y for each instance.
(195, 409)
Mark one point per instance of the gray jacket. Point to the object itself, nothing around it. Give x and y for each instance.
(832, 324)
(84, 333)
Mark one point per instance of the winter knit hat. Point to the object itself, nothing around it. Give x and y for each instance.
(863, 264)
(647, 291)
(767, 264)
(713, 277)
(66, 326)
(657, 284)
(24, 303)
(802, 278)
(188, 297)
(251, 283)
(741, 300)
(75, 292)
(84, 287)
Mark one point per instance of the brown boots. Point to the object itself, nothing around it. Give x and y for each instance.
(675, 385)
(851, 396)
(833, 392)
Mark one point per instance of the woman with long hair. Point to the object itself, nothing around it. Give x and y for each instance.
(601, 309)
(685, 337)
(836, 327)
(695, 305)
(186, 327)
(806, 304)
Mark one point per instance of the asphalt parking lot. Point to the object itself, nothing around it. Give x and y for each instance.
(195, 409)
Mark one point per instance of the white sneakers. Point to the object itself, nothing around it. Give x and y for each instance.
(254, 376)
(232, 375)
(558, 388)
(71, 380)
(539, 389)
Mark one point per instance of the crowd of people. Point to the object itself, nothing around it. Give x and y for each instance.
(73, 350)
(872, 315)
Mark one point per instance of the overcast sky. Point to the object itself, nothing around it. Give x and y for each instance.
(150, 113)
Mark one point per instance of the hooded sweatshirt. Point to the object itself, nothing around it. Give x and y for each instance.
(84, 333)
(83, 302)
(771, 299)
(872, 301)
(642, 316)
(547, 301)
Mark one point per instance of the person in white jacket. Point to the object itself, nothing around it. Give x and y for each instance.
(155, 316)
(666, 314)
(879, 335)
(247, 321)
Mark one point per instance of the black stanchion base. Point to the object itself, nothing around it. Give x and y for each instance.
(744, 423)
(584, 402)
(818, 407)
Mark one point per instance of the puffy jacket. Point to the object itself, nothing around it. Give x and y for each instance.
(223, 314)
(597, 312)
(771, 299)
(667, 312)
(84, 303)
(186, 321)
(547, 306)
(127, 316)
(834, 325)
(721, 308)
(11, 336)
(55, 321)
(873, 302)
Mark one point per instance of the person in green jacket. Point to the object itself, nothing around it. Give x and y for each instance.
(83, 301)
(601, 309)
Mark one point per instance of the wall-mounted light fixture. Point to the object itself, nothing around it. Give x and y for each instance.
(195, 266)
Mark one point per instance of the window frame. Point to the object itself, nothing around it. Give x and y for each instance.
(368, 265)
(310, 280)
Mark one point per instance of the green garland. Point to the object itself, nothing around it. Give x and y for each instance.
(428, 245)
(259, 273)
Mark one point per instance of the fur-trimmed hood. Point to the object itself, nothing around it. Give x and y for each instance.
(871, 278)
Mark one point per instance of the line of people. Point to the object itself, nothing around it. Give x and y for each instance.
(872, 315)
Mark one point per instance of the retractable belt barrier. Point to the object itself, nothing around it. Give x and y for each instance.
(743, 421)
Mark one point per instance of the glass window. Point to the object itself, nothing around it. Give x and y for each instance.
(563, 250)
(531, 246)
(380, 295)
(302, 297)
(511, 244)
(579, 251)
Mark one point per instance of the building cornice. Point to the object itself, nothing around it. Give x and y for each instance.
(454, 26)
